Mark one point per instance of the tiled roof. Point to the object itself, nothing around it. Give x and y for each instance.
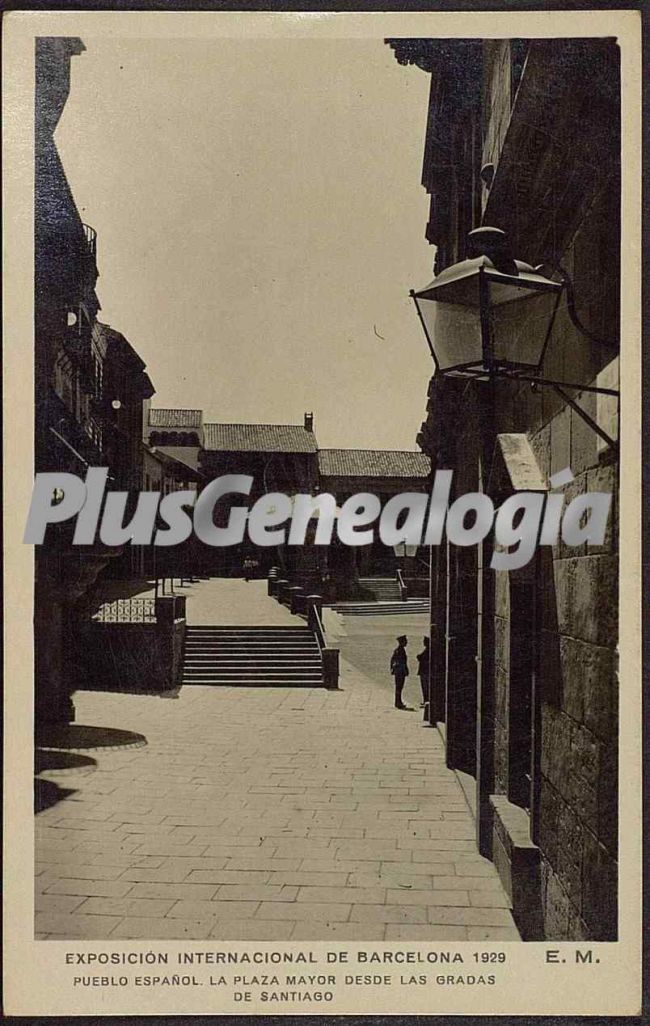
(175, 418)
(372, 463)
(258, 438)
(181, 453)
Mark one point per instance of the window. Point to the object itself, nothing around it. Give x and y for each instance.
(63, 384)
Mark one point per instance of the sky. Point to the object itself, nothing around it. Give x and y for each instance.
(260, 222)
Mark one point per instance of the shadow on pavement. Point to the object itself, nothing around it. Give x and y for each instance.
(57, 763)
(51, 766)
(47, 794)
(77, 736)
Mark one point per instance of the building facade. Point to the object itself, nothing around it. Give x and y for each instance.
(384, 473)
(90, 386)
(524, 135)
(173, 428)
(286, 458)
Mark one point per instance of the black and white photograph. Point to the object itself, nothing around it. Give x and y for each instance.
(329, 471)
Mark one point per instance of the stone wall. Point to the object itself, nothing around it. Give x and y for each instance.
(539, 644)
(575, 597)
(577, 831)
(130, 657)
(553, 631)
(575, 824)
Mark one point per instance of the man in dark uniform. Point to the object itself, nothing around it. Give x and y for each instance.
(423, 671)
(400, 669)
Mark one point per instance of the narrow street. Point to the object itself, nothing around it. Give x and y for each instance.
(267, 813)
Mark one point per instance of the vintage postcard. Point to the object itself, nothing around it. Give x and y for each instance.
(322, 504)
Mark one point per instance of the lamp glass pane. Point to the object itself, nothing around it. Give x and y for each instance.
(454, 331)
(519, 326)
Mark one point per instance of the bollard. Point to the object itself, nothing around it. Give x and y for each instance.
(295, 595)
(165, 607)
(272, 583)
(331, 668)
(281, 593)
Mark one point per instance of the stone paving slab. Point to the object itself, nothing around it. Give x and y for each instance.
(265, 814)
(229, 602)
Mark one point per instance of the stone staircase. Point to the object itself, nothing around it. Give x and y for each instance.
(252, 657)
(382, 608)
(384, 589)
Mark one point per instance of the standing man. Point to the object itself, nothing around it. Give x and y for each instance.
(423, 671)
(400, 669)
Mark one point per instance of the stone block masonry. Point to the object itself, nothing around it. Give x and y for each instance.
(257, 814)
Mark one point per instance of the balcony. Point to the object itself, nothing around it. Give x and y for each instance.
(66, 435)
(90, 236)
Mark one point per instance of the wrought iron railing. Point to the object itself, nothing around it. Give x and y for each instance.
(129, 610)
(91, 239)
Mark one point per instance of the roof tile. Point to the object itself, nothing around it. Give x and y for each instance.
(188, 455)
(373, 463)
(175, 418)
(258, 438)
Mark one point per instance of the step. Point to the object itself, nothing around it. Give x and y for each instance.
(360, 613)
(267, 653)
(245, 672)
(245, 653)
(380, 587)
(280, 639)
(234, 629)
(234, 655)
(256, 664)
(257, 653)
(378, 582)
(238, 671)
(234, 671)
(299, 673)
(252, 683)
(233, 640)
(384, 610)
(248, 650)
(263, 649)
(277, 678)
(388, 586)
(282, 657)
(263, 657)
(295, 631)
(298, 632)
(378, 606)
(284, 639)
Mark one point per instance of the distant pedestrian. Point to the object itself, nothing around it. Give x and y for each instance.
(423, 671)
(399, 668)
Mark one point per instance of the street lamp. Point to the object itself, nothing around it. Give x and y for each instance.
(472, 312)
(492, 316)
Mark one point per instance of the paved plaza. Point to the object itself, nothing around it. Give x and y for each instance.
(266, 813)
